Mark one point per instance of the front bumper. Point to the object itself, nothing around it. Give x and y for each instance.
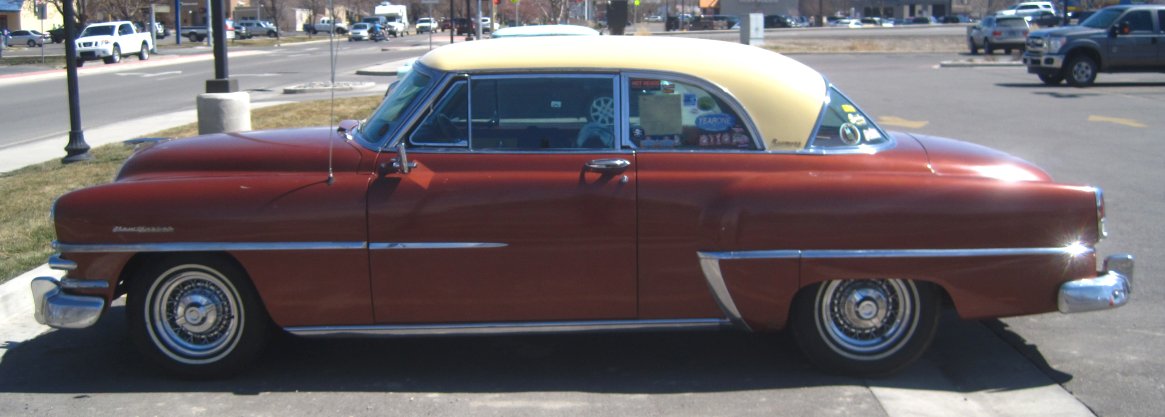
(93, 53)
(1110, 289)
(1042, 63)
(52, 307)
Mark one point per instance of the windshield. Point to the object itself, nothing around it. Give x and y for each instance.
(1102, 19)
(97, 31)
(390, 114)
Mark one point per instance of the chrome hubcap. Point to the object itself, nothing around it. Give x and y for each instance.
(867, 319)
(194, 314)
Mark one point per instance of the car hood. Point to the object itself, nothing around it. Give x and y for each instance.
(1065, 31)
(247, 153)
(950, 157)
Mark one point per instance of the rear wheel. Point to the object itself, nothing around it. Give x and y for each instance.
(987, 47)
(31, 43)
(196, 315)
(865, 327)
(144, 53)
(971, 45)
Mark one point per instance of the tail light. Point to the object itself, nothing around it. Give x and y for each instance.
(997, 33)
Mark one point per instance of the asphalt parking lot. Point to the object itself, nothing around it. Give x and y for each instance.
(1108, 135)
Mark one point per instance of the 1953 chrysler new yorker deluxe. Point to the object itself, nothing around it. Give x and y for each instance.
(578, 184)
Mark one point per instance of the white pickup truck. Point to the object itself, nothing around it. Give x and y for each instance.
(108, 41)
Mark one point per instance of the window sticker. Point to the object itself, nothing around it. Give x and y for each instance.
(872, 134)
(660, 115)
(689, 100)
(848, 108)
(734, 139)
(856, 119)
(671, 141)
(646, 85)
(715, 122)
(850, 134)
(669, 88)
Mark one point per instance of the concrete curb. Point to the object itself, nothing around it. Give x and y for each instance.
(970, 64)
(16, 322)
(322, 87)
(385, 69)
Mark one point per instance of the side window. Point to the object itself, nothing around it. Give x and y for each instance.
(1139, 21)
(675, 115)
(843, 125)
(523, 113)
(1161, 19)
(448, 122)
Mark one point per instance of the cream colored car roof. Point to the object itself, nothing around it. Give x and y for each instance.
(783, 96)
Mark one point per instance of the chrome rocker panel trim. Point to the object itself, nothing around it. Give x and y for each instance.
(54, 308)
(1110, 289)
(467, 329)
(253, 246)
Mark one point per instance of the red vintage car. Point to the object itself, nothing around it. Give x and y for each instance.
(576, 184)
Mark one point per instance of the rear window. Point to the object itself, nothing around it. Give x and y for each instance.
(1012, 23)
(843, 126)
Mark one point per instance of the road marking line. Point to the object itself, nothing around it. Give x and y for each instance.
(1116, 120)
(900, 122)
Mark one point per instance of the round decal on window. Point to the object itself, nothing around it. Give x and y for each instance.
(850, 134)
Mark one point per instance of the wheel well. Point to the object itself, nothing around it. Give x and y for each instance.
(1084, 51)
(142, 260)
(947, 301)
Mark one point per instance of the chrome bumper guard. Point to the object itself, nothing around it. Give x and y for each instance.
(63, 311)
(1110, 289)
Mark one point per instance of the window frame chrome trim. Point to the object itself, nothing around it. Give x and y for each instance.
(423, 108)
(438, 79)
(502, 328)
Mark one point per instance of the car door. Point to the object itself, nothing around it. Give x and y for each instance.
(1160, 40)
(1136, 49)
(521, 206)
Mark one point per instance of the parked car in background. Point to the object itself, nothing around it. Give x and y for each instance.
(360, 32)
(326, 24)
(850, 23)
(1114, 39)
(1028, 8)
(578, 184)
(715, 22)
(258, 27)
(463, 26)
(29, 38)
(998, 32)
(426, 24)
(488, 25)
(778, 21)
(875, 22)
(653, 18)
(544, 30)
(109, 41)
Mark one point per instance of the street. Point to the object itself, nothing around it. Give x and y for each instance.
(1107, 136)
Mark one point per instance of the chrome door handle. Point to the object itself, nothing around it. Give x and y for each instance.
(608, 164)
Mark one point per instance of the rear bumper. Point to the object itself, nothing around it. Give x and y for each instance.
(1109, 289)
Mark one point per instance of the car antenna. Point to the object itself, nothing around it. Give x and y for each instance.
(332, 90)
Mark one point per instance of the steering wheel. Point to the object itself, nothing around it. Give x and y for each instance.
(602, 111)
(594, 130)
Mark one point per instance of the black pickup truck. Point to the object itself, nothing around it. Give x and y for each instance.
(1125, 38)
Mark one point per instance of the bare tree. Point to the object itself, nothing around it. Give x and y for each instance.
(119, 9)
(80, 9)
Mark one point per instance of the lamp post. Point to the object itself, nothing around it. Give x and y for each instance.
(76, 150)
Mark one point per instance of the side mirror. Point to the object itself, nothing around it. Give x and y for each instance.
(402, 163)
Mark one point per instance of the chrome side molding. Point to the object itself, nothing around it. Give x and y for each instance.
(468, 329)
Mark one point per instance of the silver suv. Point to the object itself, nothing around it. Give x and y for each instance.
(998, 32)
(1114, 39)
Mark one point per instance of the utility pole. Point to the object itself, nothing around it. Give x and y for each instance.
(76, 150)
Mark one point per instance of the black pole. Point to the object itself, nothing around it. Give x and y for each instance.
(452, 21)
(221, 82)
(177, 22)
(76, 150)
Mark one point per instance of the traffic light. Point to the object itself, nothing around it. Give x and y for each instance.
(496, 2)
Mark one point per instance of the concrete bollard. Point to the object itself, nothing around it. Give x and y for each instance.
(224, 112)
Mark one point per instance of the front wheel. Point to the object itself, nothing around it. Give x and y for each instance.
(196, 316)
(1051, 79)
(116, 57)
(865, 327)
(1081, 71)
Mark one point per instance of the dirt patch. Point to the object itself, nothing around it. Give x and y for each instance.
(868, 44)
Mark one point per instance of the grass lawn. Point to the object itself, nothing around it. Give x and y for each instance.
(26, 233)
